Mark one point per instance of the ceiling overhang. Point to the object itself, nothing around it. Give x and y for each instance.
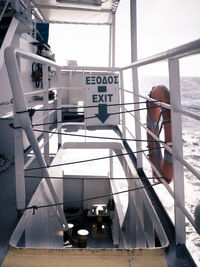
(97, 12)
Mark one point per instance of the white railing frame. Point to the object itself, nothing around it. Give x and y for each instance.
(59, 103)
(178, 52)
(123, 117)
(19, 158)
(46, 117)
(12, 63)
(22, 119)
(176, 122)
(173, 56)
(134, 57)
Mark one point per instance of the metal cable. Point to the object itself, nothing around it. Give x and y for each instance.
(91, 106)
(92, 117)
(35, 207)
(97, 137)
(91, 178)
(89, 160)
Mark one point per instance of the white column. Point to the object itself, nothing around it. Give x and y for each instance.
(113, 41)
(110, 46)
(111, 163)
(59, 102)
(45, 113)
(133, 9)
(19, 159)
(19, 165)
(176, 122)
(122, 106)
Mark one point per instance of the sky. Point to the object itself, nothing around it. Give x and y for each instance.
(162, 24)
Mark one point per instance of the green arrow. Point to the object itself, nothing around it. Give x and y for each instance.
(102, 115)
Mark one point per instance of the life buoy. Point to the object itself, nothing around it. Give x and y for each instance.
(154, 114)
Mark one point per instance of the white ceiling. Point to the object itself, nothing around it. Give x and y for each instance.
(70, 12)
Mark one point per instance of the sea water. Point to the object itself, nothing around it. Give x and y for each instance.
(190, 100)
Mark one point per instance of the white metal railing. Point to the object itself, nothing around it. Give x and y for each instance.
(172, 56)
(175, 53)
(23, 120)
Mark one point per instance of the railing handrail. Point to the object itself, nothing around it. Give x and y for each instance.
(35, 57)
(187, 49)
(42, 60)
(90, 68)
(178, 52)
(176, 109)
(183, 50)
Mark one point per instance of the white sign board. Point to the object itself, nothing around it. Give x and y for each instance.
(102, 99)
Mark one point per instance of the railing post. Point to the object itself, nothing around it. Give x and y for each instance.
(110, 46)
(135, 78)
(113, 41)
(84, 88)
(59, 103)
(45, 113)
(122, 106)
(111, 163)
(175, 99)
(19, 165)
(19, 159)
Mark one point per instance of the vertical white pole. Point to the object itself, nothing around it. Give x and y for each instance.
(84, 88)
(19, 160)
(111, 162)
(113, 41)
(133, 10)
(19, 166)
(110, 46)
(59, 103)
(175, 98)
(122, 106)
(45, 105)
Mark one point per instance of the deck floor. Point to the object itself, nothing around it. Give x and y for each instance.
(8, 211)
(9, 216)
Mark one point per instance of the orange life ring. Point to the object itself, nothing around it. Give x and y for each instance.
(154, 113)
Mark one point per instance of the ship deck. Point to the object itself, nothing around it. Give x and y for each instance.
(172, 256)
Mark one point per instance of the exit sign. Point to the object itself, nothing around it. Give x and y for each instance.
(102, 97)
